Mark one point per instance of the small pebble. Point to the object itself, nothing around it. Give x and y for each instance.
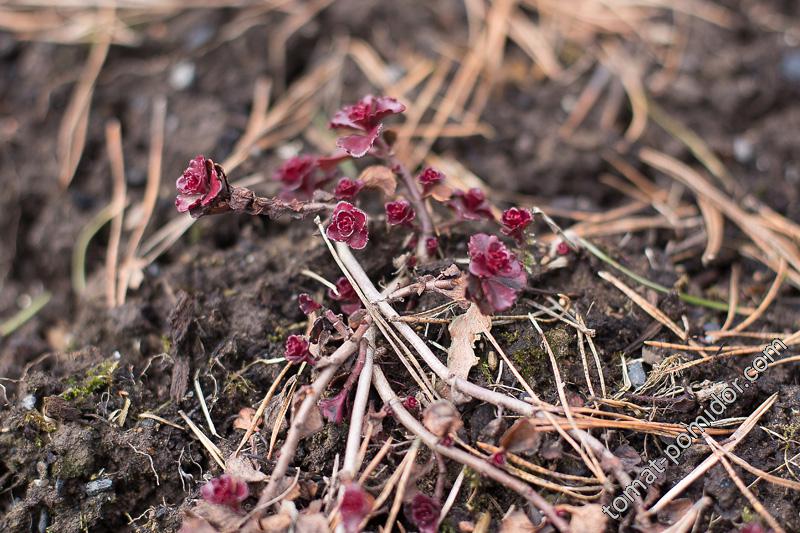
(99, 485)
(743, 150)
(181, 75)
(636, 373)
(44, 521)
(29, 402)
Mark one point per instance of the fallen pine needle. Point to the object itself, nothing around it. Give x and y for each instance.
(646, 306)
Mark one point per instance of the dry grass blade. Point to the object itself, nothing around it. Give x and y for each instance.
(402, 486)
(695, 144)
(646, 306)
(773, 246)
(596, 357)
(258, 111)
(532, 41)
(589, 459)
(370, 63)
(706, 465)
(629, 225)
(457, 93)
(75, 123)
(586, 101)
(765, 303)
(212, 449)
(688, 520)
(421, 105)
(451, 452)
(148, 204)
(630, 75)
(715, 227)
(519, 461)
(733, 297)
(115, 156)
(786, 483)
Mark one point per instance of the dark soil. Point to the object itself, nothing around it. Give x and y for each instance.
(224, 295)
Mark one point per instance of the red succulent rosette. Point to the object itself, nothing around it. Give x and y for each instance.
(347, 189)
(348, 225)
(198, 185)
(355, 506)
(300, 176)
(346, 295)
(296, 350)
(497, 276)
(307, 304)
(471, 204)
(225, 490)
(364, 116)
(424, 512)
(515, 221)
(431, 245)
(399, 212)
(430, 178)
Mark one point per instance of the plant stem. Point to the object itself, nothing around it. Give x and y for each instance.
(295, 432)
(609, 461)
(479, 465)
(425, 218)
(349, 466)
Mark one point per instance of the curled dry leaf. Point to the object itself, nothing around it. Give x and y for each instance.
(313, 422)
(459, 290)
(311, 523)
(675, 510)
(220, 516)
(381, 178)
(464, 331)
(241, 467)
(441, 192)
(195, 524)
(279, 523)
(245, 419)
(441, 418)
(521, 437)
(517, 522)
(588, 518)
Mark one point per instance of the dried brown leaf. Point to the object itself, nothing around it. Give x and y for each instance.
(194, 524)
(242, 468)
(459, 291)
(675, 510)
(441, 192)
(277, 523)
(220, 516)
(441, 418)
(588, 518)
(313, 422)
(245, 419)
(517, 522)
(464, 331)
(380, 177)
(521, 437)
(311, 523)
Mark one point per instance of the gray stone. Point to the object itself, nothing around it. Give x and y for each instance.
(98, 485)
